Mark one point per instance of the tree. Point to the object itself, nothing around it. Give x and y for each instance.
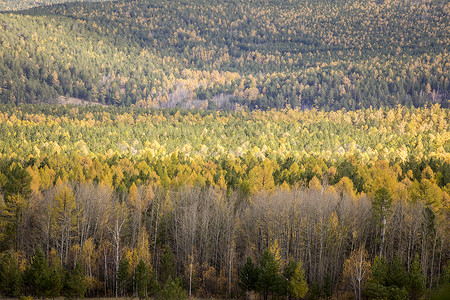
(269, 279)
(167, 267)
(173, 290)
(17, 190)
(10, 276)
(123, 277)
(64, 212)
(37, 275)
(248, 276)
(54, 283)
(381, 206)
(416, 284)
(75, 283)
(297, 286)
(142, 279)
(357, 270)
(388, 281)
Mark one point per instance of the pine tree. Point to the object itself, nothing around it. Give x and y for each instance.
(269, 279)
(10, 277)
(142, 279)
(416, 282)
(75, 283)
(167, 265)
(248, 276)
(123, 276)
(37, 275)
(173, 290)
(297, 286)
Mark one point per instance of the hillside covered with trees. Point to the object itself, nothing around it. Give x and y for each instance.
(229, 54)
(131, 201)
(11, 5)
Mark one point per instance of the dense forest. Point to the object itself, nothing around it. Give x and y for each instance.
(229, 54)
(113, 201)
(10, 5)
(292, 149)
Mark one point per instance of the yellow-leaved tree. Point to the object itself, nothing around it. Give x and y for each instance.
(357, 270)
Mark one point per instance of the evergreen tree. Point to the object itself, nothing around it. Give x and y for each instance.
(142, 279)
(269, 279)
(381, 206)
(416, 284)
(37, 275)
(54, 283)
(297, 286)
(167, 265)
(248, 276)
(10, 277)
(123, 276)
(173, 290)
(75, 283)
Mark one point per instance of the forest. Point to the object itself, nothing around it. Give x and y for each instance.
(229, 54)
(114, 201)
(256, 149)
(13, 5)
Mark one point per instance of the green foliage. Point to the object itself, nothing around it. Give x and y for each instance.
(167, 265)
(393, 281)
(17, 180)
(297, 286)
(442, 290)
(269, 277)
(227, 54)
(173, 290)
(381, 204)
(124, 276)
(75, 283)
(142, 279)
(10, 275)
(55, 283)
(248, 276)
(40, 279)
(416, 284)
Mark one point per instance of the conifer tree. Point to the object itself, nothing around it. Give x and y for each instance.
(142, 280)
(10, 276)
(248, 276)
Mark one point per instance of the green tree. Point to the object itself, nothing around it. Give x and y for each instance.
(297, 286)
(381, 206)
(75, 283)
(10, 276)
(37, 275)
(142, 278)
(167, 265)
(269, 279)
(54, 283)
(416, 284)
(173, 290)
(123, 276)
(17, 190)
(248, 276)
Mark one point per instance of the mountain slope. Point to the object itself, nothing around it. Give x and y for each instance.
(261, 54)
(24, 4)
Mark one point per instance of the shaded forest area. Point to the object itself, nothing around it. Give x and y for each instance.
(142, 215)
(229, 54)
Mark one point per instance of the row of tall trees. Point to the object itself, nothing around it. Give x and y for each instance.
(137, 242)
